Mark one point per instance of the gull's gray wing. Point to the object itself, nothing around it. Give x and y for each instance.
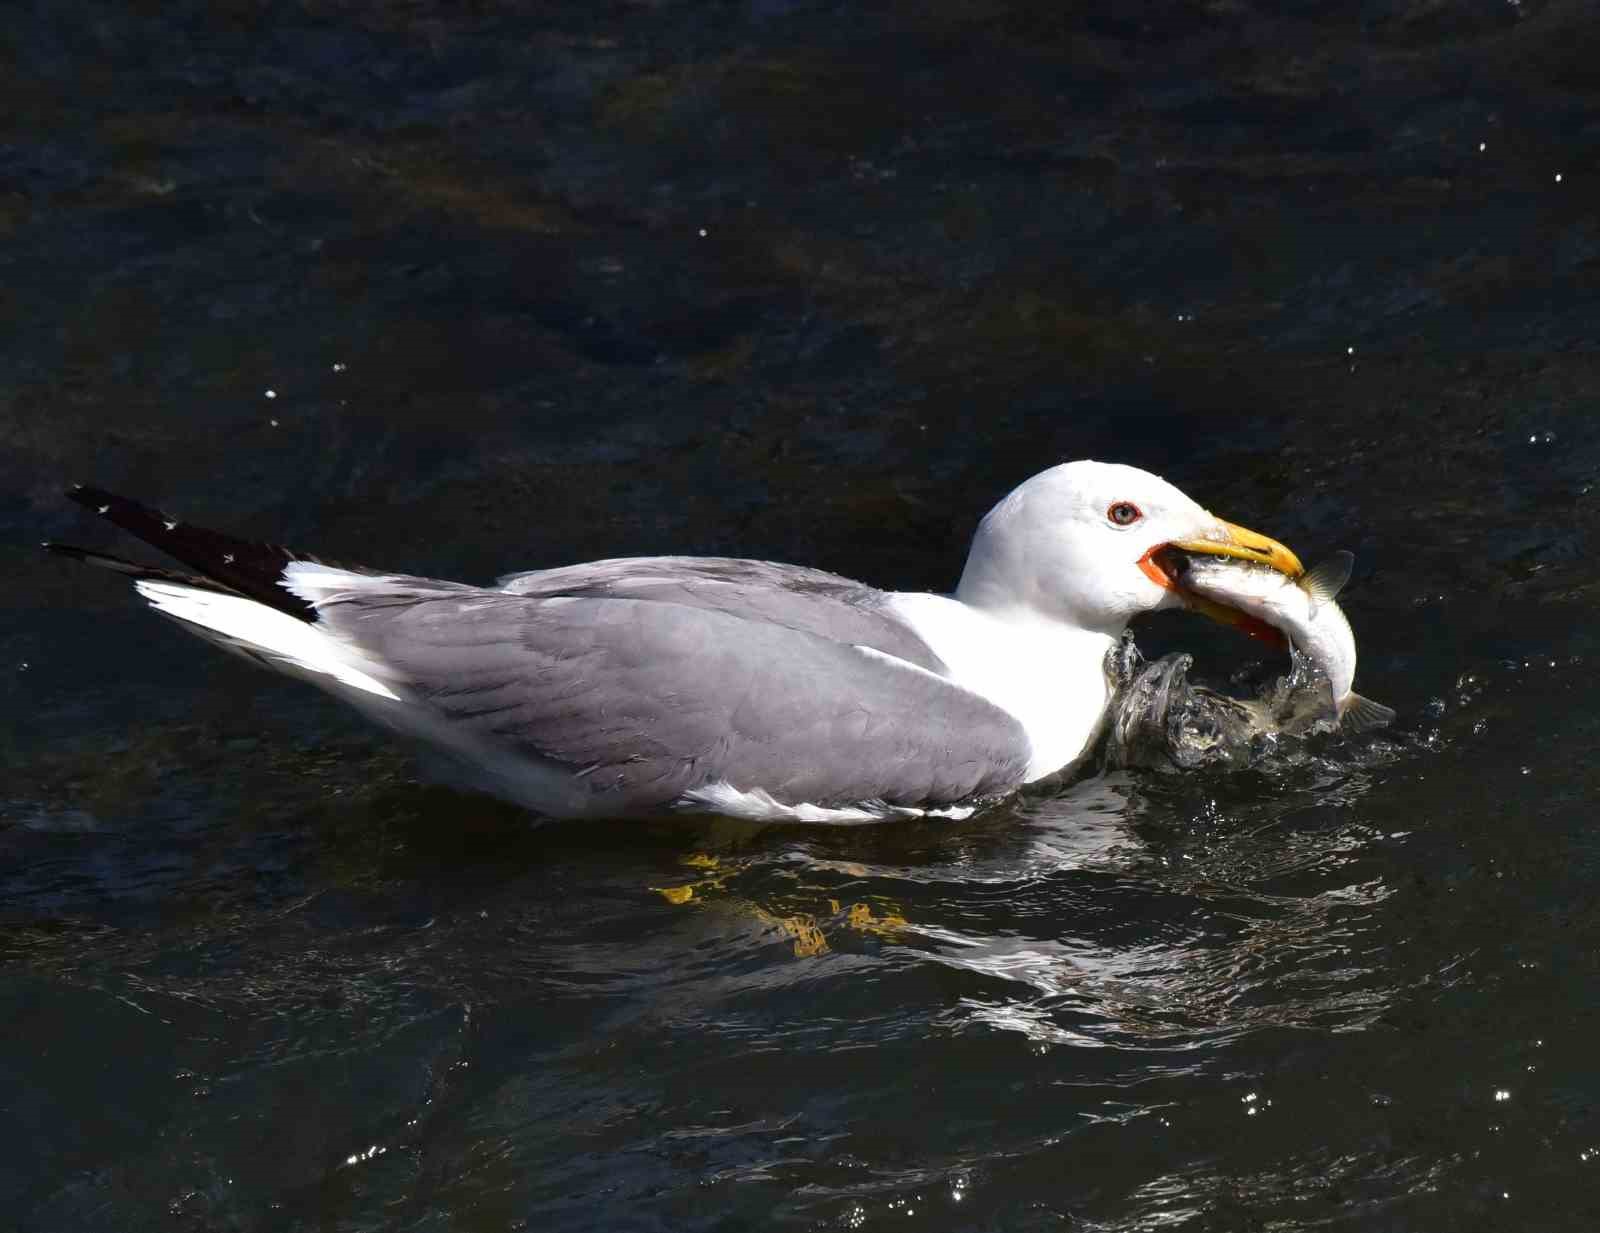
(809, 600)
(643, 700)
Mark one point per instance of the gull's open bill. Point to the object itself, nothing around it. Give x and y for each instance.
(1167, 562)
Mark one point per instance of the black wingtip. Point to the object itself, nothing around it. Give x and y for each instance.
(136, 570)
(89, 555)
(241, 566)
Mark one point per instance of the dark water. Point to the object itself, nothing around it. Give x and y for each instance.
(463, 289)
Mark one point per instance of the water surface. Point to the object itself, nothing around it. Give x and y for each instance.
(467, 292)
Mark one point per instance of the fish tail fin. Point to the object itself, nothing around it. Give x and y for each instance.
(1329, 578)
(1363, 714)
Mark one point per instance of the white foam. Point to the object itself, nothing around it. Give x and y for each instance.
(759, 805)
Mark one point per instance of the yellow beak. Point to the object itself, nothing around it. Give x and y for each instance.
(1245, 545)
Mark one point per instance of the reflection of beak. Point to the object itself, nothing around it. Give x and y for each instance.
(1234, 541)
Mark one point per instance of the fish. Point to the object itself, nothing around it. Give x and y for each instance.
(1272, 605)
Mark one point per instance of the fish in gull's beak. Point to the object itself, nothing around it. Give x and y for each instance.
(1245, 545)
(1163, 565)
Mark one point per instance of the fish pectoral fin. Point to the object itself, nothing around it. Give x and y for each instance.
(1328, 579)
(1363, 714)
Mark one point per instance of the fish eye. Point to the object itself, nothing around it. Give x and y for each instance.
(1124, 513)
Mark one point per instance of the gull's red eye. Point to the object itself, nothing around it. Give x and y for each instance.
(1124, 513)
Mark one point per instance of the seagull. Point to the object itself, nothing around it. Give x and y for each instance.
(643, 686)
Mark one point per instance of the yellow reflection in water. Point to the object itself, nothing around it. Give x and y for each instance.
(795, 914)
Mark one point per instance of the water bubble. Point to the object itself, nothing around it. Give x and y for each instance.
(1482, 146)
(1501, 1095)
(272, 393)
(338, 367)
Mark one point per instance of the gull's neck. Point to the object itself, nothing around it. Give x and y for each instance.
(1047, 673)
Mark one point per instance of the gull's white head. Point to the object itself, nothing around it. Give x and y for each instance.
(1083, 543)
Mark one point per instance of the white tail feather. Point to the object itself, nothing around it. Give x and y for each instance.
(317, 583)
(295, 645)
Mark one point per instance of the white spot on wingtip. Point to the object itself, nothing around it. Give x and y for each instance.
(170, 525)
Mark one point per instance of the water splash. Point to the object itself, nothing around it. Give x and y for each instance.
(1162, 720)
